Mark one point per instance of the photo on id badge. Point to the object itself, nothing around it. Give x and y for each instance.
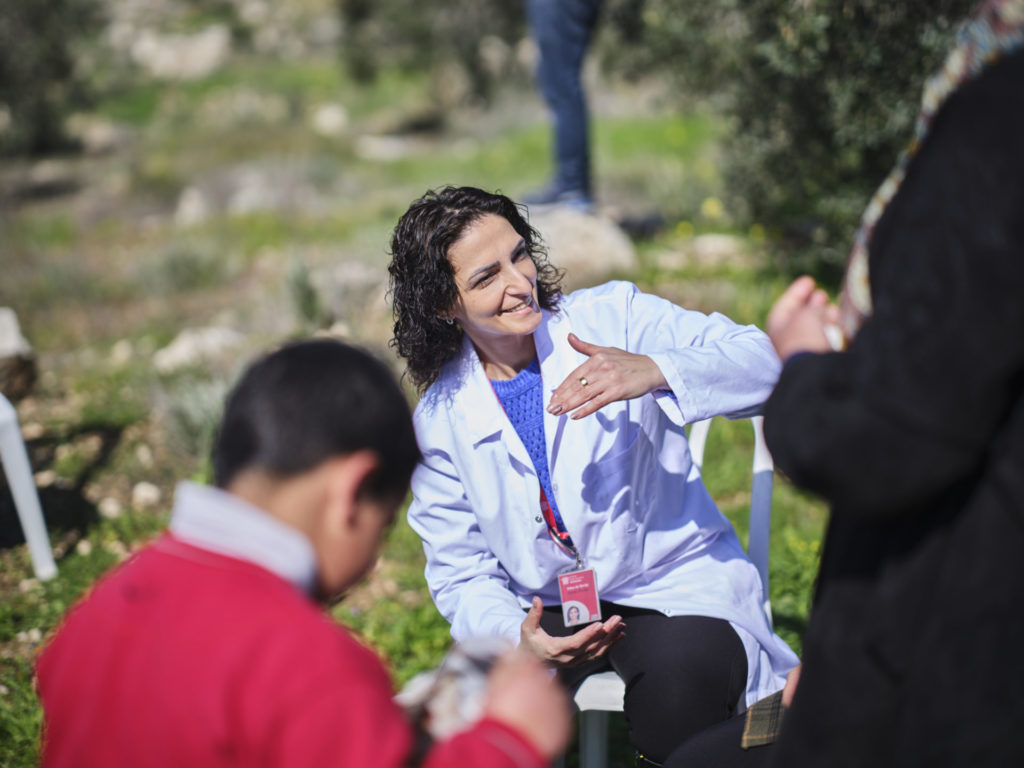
(580, 603)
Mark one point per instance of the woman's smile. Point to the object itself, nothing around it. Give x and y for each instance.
(521, 307)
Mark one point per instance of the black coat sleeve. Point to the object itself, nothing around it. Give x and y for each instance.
(913, 406)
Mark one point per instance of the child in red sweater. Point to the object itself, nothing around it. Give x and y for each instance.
(207, 648)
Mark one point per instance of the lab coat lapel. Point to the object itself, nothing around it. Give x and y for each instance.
(557, 360)
(482, 416)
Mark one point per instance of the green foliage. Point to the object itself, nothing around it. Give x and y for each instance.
(194, 404)
(20, 716)
(250, 233)
(794, 569)
(114, 397)
(185, 266)
(822, 96)
(411, 639)
(41, 232)
(39, 82)
(304, 297)
(419, 36)
(68, 281)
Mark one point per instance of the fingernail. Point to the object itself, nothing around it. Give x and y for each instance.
(554, 410)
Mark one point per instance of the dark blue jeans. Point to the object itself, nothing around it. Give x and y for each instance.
(562, 29)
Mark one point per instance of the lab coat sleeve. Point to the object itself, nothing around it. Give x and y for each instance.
(713, 366)
(468, 584)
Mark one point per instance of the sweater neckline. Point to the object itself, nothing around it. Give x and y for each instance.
(525, 379)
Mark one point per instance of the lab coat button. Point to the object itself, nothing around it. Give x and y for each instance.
(539, 519)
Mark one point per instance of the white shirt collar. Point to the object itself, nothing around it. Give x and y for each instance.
(218, 521)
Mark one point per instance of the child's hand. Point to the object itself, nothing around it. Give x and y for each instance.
(525, 696)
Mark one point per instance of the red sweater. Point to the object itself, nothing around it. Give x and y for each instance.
(182, 657)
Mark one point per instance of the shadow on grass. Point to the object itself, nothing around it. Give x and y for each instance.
(64, 504)
(644, 225)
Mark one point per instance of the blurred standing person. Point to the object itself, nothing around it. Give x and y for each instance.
(563, 30)
(915, 435)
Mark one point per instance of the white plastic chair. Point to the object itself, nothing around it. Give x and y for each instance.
(602, 692)
(14, 457)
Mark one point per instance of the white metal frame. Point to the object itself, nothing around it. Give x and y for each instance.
(602, 693)
(14, 457)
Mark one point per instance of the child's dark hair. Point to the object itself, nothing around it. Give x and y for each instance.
(308, 402)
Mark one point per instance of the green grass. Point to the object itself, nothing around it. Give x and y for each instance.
(797, 523)
(30, 610)
(253, 232)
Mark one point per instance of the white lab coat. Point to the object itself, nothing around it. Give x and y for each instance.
(623, 480)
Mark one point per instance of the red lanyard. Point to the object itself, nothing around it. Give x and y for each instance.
(556, 528)
(558, 532)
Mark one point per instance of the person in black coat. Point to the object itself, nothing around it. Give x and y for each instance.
(914, 655)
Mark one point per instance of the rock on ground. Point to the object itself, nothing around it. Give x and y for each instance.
(197, 346)
(17, 360)
(182, 57)
(589, 248)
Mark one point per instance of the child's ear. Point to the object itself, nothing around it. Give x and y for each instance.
(346, 477)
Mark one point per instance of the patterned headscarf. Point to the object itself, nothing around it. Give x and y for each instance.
(995, 29)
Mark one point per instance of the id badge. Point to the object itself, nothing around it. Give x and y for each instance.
(580, 603)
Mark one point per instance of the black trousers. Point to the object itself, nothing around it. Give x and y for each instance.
(682, 673)
(719, 747)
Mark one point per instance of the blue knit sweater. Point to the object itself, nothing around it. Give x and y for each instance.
(522, 398)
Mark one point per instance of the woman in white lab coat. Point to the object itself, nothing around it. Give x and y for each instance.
(552, 432)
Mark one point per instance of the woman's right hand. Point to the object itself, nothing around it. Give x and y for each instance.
(591, 642)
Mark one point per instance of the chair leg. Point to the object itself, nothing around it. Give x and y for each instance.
(593, 739)
(23, 489)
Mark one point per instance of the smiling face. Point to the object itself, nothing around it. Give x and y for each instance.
(497, 284)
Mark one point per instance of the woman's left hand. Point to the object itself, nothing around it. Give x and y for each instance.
(609, 375)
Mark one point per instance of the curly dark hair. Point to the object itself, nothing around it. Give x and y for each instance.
(422, 283)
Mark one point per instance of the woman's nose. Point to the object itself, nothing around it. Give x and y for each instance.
(518, 280)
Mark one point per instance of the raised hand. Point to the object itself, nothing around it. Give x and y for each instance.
(801, 319)
(609, 375)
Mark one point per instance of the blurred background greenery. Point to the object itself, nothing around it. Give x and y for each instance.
(184, 183)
